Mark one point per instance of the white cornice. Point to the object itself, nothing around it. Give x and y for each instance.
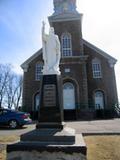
(25, 67)
(111, 63)
(65, 17)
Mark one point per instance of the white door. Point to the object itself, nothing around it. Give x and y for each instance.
(68, 96)
(99, 100)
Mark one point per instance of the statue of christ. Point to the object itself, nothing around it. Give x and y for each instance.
(51, 52)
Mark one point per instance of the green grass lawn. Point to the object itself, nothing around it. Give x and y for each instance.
(99, 147)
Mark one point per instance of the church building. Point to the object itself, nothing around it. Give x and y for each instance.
(88, 76)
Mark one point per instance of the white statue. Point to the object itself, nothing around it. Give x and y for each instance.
(51, 52)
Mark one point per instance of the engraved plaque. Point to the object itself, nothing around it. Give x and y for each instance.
(49, 96)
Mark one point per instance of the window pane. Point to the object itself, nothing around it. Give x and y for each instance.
(66, 45)
(38, 71)
(68, 85)
(96, 70)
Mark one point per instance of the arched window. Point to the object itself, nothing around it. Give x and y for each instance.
(68, 85)
(38, 71)
(68, 96)
(96, 68)
(36, 101)
(99, 100)
(66, 45)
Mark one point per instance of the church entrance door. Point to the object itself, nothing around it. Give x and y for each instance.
(68, 96)
(69, 101)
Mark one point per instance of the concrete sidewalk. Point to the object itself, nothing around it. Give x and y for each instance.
(96, 127)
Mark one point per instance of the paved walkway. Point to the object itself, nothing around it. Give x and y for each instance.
(85, 127)
(97, 127)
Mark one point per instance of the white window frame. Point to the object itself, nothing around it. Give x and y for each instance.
(66, 45)
(38, 71)
(67, 70)
(96, 68)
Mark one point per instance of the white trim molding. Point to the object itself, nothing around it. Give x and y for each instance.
(111, 63)
(25, 67)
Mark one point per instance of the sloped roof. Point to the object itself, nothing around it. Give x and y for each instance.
(101, 52)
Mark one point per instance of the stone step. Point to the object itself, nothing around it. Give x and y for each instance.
(50, 136)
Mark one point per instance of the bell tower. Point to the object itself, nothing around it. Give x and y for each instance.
(66, 19)
(62, 6)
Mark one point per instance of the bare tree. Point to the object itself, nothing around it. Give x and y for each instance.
(10, 87)
(10, 90)
(18, 92)
(4, 74)
(14, 91)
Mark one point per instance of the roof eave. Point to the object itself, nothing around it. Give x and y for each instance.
(101, 52)
(26, 63)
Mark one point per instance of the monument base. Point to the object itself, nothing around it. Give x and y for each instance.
(65, 136)
(38, 150)
(36, 155)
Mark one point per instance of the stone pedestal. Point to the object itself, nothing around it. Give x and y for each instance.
(51, 111)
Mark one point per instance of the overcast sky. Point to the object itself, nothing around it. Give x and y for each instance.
(20, 28)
